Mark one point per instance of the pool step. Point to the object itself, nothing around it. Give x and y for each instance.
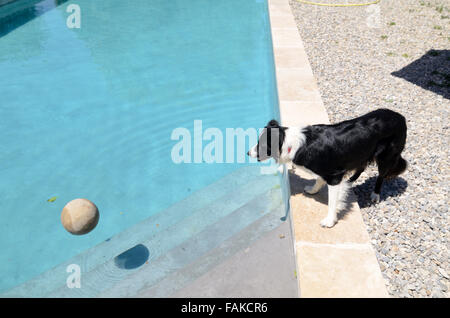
(170, 228)
(129, 283)
(229, 241)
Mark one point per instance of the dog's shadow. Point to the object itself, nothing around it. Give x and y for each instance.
(361, 192)
(391, 188)
(298, 185)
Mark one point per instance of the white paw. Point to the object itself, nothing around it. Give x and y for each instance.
(328, 222)
(309, 190)
(374, 197)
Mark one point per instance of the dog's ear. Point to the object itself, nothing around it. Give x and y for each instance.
(273, 124)
(274, 136)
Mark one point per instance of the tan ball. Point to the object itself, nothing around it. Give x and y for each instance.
(80, 216)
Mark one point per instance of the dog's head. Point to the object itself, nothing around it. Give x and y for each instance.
(269, 143)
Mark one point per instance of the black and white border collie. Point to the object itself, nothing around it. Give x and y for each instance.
(331, 152)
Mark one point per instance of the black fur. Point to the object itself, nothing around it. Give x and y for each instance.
(330, 151)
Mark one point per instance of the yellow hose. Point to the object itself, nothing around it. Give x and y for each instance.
(339, 5)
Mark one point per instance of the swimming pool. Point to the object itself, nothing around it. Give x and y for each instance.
(89, 113)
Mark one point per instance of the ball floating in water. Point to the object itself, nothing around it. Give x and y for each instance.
(79, 216)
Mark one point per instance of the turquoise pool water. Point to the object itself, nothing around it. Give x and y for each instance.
(89, 112)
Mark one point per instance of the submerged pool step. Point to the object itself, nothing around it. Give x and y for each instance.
(246, 203)
(169, 228)
(265, 210)
(205, 251)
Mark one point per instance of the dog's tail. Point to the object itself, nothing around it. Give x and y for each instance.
(398, 168)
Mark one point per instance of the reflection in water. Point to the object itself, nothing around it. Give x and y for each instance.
(18, 13)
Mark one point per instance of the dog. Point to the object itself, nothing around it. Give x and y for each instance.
(333, 152)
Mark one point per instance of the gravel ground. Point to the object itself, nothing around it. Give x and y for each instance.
(395, 55)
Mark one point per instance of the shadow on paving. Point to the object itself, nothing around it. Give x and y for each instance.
(298, 184)
(391, 188)
(431, 72)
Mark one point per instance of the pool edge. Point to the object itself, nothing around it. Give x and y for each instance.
(322, 255)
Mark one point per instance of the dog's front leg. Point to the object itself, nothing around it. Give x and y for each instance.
(333, 197)
(316, 187)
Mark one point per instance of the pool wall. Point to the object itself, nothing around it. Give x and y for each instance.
(243, 202)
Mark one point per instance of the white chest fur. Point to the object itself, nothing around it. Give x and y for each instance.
(293, 140)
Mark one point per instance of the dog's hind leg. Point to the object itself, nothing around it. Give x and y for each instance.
(375, 195)
(383, 168)
(387, 169)
(316, 187)
(384, 163)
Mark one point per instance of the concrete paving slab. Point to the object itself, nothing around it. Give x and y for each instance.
(339, 271)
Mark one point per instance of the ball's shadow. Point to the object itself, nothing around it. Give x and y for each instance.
(132, 258)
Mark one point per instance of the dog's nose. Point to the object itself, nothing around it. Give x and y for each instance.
(248, 153)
